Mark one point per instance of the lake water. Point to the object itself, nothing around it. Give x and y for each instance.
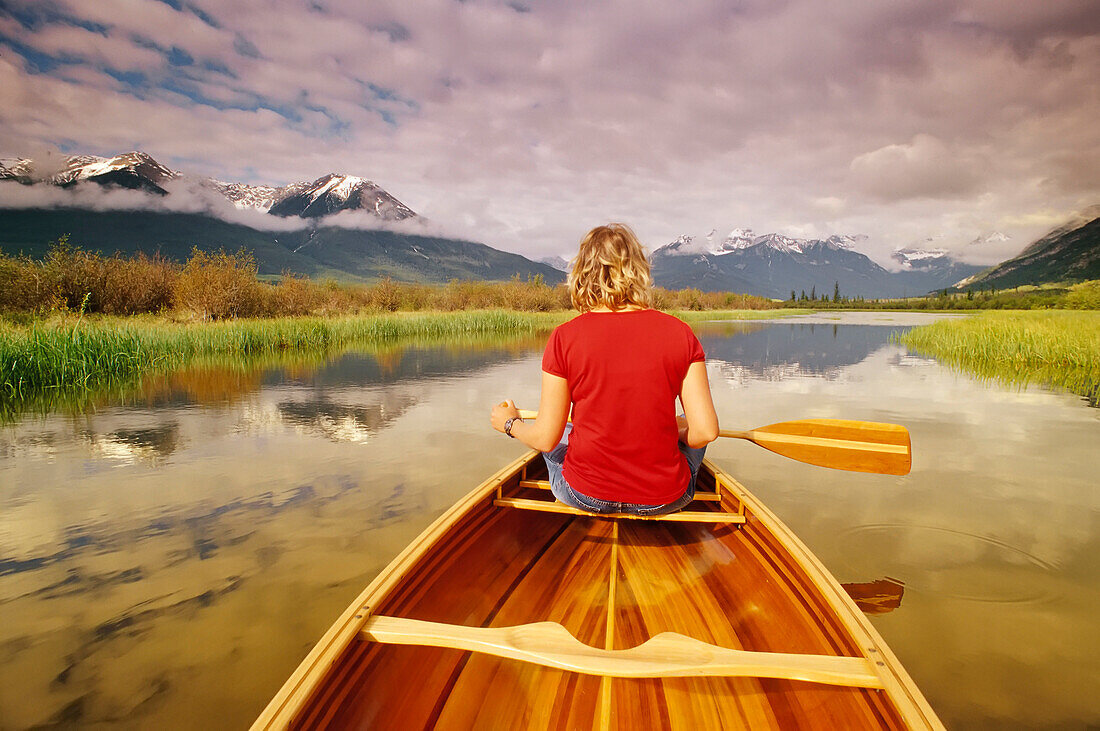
(166, 561)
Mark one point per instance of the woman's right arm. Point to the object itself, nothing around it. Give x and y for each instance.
(702, 420)
(545, 431)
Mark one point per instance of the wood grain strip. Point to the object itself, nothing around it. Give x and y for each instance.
(609, 639)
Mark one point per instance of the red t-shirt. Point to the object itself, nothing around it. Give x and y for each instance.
(625, 371)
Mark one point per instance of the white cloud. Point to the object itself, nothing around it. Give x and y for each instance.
(923, 168)
(900, 120)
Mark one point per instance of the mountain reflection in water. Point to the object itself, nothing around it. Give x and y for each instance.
(781, 350)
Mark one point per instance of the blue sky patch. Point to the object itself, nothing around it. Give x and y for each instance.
(245, 47)
(34, 18)
(37, 61)
(179, 57)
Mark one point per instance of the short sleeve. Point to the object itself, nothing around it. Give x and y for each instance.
(695, 348)
(553, 358)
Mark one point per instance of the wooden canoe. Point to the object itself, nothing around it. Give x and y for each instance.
(512, 611)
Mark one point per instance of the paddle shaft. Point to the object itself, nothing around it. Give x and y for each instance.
(855, 446)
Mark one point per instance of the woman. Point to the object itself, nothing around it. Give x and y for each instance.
(621, 365)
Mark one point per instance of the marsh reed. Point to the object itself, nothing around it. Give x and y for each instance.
(73, 353)
(1059, 348)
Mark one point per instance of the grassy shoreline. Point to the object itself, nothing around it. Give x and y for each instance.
(86, 354)
(1057, 348)
(72, 354)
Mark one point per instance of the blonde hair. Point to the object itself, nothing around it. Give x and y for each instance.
(610, 270)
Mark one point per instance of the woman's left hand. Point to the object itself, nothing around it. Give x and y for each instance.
(501, 413)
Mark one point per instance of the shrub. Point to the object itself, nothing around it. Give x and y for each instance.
(72, 278)
(1084, 296)
(384, 296)
(22, 288)
(218, 286)
(132, 286)
(294, 295)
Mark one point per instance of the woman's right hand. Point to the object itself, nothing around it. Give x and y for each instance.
(501, 413)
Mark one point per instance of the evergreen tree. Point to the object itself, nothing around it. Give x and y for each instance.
(813, 292)
(792, 295)
(836, 291)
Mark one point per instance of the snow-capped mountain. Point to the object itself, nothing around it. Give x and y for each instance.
(558, 262)
(134, 170)
(934, 268)
(19, 169)
(137, 170)
(916, 259)
(242, 195)
(1070, 252)
(772, 265)
(314, 247)
(130, 170)
(991, 238)
(740, 239)
(332, 193)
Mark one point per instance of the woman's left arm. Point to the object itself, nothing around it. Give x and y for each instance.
(702, 421)
(544, 432)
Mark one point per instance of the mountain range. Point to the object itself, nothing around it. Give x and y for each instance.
(1069, 253)
(773, 265)
(770, 265)
(328, 194)
(313, 249)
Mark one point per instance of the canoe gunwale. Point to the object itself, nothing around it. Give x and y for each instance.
(296, 691)
(897, 683)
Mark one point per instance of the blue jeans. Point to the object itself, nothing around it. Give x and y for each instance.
(555, 460)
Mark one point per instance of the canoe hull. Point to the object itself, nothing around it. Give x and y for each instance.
(613, 584)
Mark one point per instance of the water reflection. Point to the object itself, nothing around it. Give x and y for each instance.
(778, 351)
(191, 537)
(341, 422)
(151, 443)
(229, 378)
(876, 597)
(951, 563)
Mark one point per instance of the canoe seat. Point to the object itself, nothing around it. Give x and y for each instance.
(683, 516)
(703, 495)
(666, 655)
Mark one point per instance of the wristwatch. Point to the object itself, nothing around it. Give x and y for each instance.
(508, 426)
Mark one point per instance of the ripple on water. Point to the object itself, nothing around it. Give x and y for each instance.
(948, 563)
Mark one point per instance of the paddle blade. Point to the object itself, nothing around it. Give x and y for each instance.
(856, 446)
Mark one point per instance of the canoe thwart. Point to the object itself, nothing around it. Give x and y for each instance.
(684, 516)
(703, 495)
(666, 655)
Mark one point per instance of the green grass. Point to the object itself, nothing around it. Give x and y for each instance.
(1058, 348)
(74, 360)
(87, 355)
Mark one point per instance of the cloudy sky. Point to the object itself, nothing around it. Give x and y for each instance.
(524, 123)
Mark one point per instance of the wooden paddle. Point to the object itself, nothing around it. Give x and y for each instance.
(856, 446)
